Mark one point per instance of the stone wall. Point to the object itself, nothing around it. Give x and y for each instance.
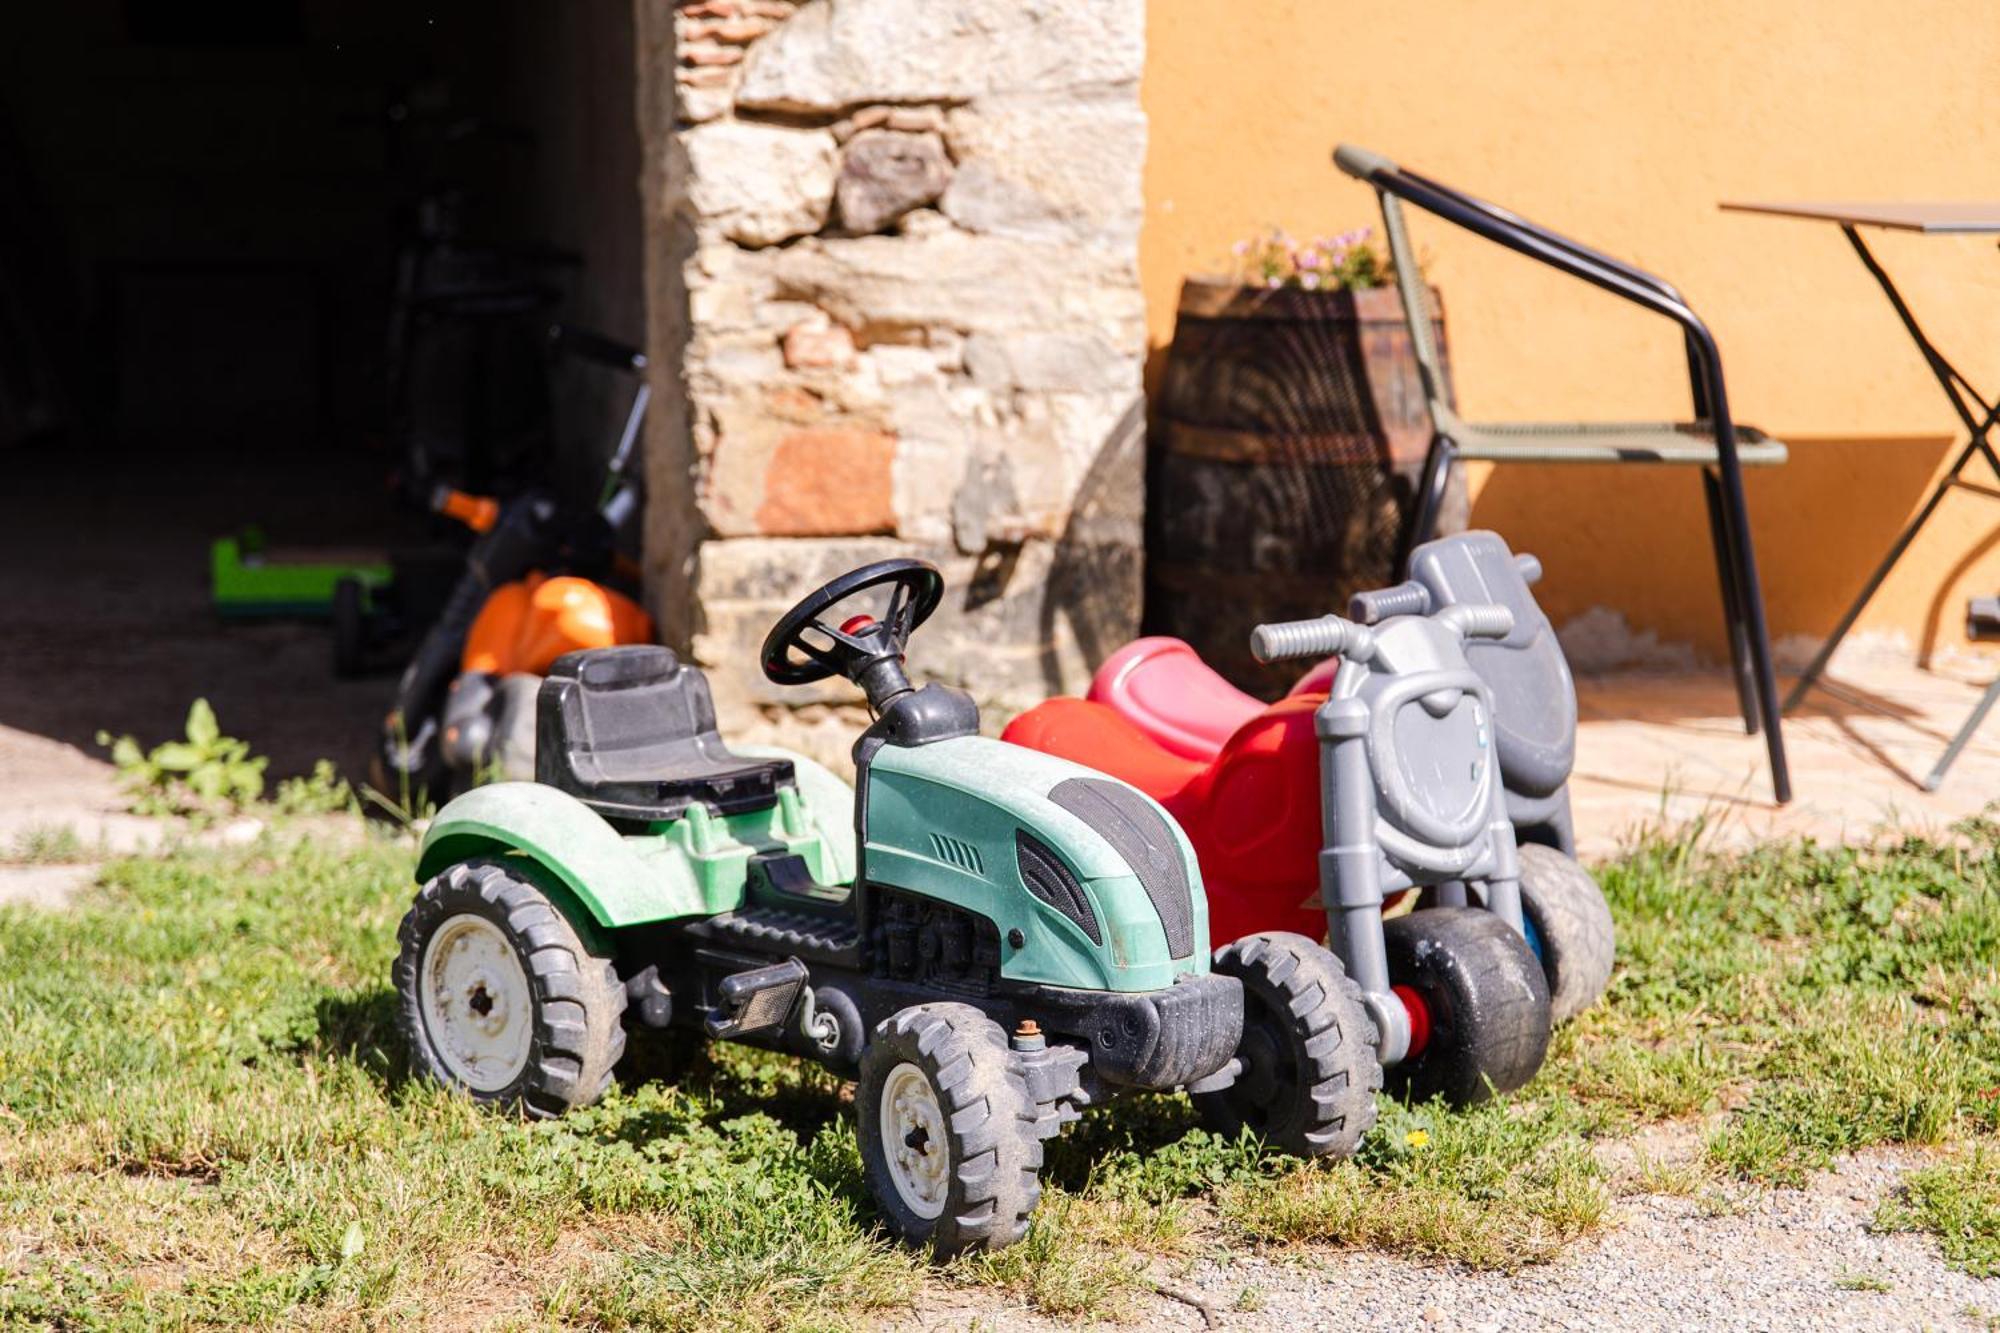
(895, 310)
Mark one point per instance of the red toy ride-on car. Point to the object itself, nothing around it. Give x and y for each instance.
(1163, 687)
(1298, 829)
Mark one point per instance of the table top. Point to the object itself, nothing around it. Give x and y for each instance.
(1932, 219)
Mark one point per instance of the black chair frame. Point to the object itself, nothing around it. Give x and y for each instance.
(1729, 520)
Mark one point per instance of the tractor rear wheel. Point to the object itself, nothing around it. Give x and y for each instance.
(499, 996)
(1479, 1005)
(1308, 1050)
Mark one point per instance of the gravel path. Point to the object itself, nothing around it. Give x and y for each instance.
(1667, 1263)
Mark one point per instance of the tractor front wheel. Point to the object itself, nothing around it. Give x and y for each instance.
(499, 996)
(1309, 1073)
(948, 1131)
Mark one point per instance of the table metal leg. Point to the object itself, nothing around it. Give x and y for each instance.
(1958, 742)
(1978, 424)
(1868, 589)
(1956, 387)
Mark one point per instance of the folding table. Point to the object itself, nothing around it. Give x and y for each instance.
(1978, 414)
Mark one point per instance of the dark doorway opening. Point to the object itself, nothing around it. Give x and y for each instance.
(203, 208)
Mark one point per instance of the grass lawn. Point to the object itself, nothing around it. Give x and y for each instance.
(204, 1117)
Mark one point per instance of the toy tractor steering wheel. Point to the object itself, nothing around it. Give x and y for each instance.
(860, 646)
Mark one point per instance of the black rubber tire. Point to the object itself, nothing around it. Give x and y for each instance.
(1573, 923)
(579, 1003)
(1488, 1001)
(994, 1151)
(1308, 1046)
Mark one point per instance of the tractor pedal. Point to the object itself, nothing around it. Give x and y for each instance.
(648, 997)
(785, 875)
(758, 1000)
(1053, 1077)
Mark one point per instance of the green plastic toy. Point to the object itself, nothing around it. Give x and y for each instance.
(986, 938)
(245, 582)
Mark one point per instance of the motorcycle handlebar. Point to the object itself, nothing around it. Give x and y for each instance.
(1322, 637)
(1479, 620)
(1405, 599)
(478, 512)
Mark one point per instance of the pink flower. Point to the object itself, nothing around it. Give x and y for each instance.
(1274, 282)
(1308, 259)
(1310, 282)
(1242, 248)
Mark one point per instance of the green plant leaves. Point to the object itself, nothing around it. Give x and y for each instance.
(202, 729)
(179, 756)
(206, 773)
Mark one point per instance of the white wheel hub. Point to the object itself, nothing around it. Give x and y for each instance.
(478, 1007)
(914, 1142)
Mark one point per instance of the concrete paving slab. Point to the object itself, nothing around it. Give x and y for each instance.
(1663, 749)
(43, 886)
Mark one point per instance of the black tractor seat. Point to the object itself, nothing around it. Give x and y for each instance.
(630, 732)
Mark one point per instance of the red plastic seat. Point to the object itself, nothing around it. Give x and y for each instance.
(1163, 687)
(1097, 737)
(1252, 811)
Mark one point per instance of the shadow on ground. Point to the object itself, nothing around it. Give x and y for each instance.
(104, 577)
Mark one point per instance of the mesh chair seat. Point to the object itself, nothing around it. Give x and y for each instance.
(1609, 442)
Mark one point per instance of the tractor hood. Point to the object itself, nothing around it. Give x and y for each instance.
(1093, 878)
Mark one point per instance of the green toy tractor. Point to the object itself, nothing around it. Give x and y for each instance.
(986, 938)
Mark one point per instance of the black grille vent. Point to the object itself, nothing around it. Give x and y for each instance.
(1140, 834)
(1051, 881)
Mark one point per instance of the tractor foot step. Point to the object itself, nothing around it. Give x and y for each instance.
(758, 1000)
(771, 930)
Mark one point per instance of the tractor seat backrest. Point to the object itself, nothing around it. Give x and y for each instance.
(630, 731)
(1534, 697)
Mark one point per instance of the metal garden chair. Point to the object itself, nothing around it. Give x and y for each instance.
(1712, 441)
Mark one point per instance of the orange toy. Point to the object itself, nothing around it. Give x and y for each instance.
(527, 625)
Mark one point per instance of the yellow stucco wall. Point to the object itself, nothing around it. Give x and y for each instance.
(1623, 123)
